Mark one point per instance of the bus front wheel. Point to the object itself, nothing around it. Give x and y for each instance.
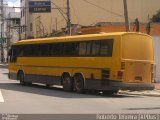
(21, 78)
(67, 82)
(79, 83)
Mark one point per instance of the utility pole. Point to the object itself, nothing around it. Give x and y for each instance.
(137, 24)
(148, 27)
(2, 31)
(126, 16)
(8, 36)
(26, 17)
(19, 30)
(68, 18)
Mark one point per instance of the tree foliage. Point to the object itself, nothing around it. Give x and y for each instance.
(156, 17)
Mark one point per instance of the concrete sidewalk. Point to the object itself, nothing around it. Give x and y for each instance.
(157, 86)
(155, 92)
(5, 65)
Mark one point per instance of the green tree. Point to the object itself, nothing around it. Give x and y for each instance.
(156, 17)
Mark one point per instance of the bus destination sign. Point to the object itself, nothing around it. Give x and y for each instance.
(39, 6)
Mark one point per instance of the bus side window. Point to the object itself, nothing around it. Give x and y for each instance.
(106, 48)
(82, 48)
(13, 55)
(43, 50)
(20, 51)
(68, 49)
(71, 49)
(95, 48)
(38, 50)
(27, 50)
(75, 48)
(88, 51)
(55, 49)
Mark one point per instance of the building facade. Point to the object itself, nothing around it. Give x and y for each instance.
(13, 27)
(12, 30)
(8, 13)
(83, 12)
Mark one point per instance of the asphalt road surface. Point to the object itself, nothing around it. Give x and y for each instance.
(38, 99)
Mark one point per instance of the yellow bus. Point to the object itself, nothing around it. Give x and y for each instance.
(103, 62)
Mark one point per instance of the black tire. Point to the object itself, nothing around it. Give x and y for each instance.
(21, 78)
(67, 82)
(110, 92)
(79, 83)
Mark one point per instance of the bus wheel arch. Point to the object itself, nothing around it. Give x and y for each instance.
(67, 81)
(79, 82)
(21, 77)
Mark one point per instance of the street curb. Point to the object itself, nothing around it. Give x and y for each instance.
(154, 93)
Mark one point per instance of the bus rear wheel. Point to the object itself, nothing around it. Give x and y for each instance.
(67, 82)
(79, 83)
(21, 78)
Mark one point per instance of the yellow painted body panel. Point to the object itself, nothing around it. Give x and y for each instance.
(139, 69)
(124, 50)
(138, 55)
(56, 66)
(137, 47)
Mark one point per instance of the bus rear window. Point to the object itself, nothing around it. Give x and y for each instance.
(137, 47)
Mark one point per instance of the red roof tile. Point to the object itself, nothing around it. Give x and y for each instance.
(155, 29)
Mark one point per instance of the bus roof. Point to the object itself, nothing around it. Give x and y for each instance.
(76, 38)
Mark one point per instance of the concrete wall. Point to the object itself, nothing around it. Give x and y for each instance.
(157, 57)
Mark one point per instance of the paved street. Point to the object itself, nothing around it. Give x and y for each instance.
(38, 99)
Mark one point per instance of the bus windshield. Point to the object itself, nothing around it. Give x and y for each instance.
(137, 47)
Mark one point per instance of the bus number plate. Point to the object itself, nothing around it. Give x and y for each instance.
(138, 78)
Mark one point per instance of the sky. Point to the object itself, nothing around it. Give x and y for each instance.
(15, 3)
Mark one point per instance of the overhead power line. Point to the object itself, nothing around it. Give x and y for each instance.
(74, 12)
(108, 11)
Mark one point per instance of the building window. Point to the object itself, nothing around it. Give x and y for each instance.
(17, 22)
(31, 26)
(23, 12)
(24, 29)
(21, 30)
